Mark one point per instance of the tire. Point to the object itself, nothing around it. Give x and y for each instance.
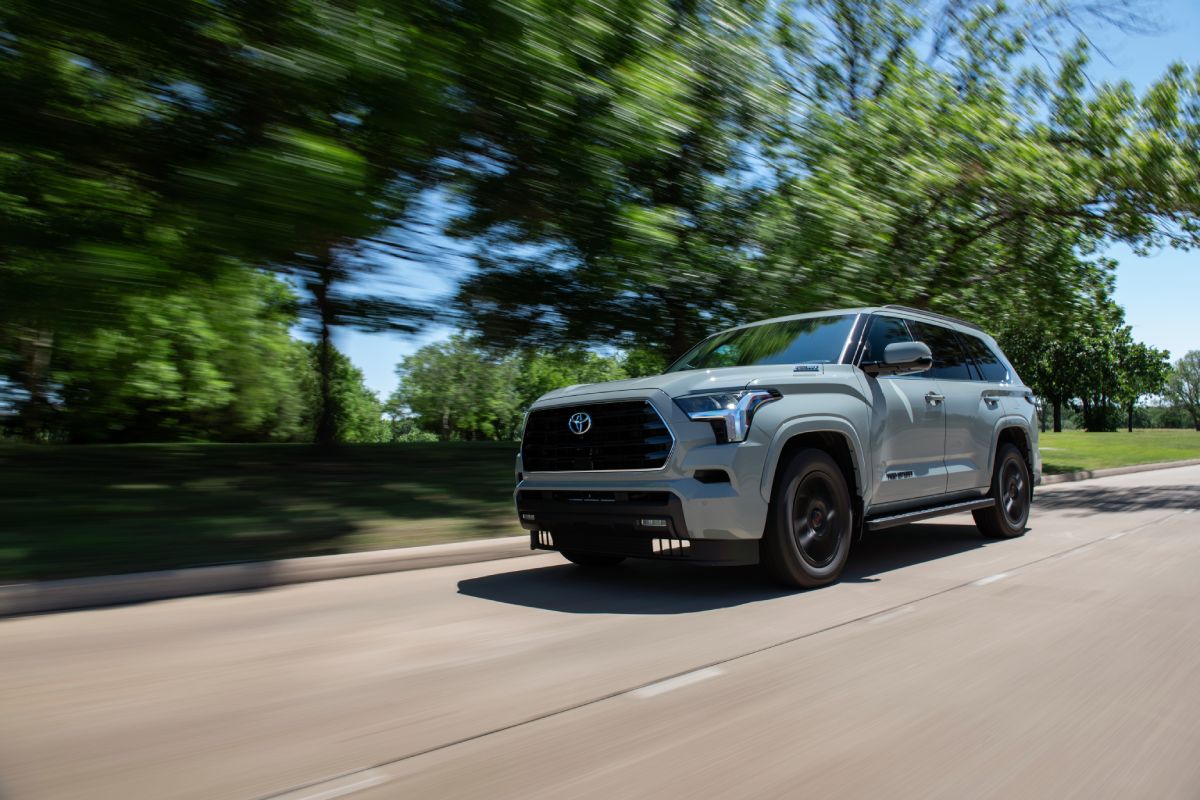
(809, 524)
(1013, 493)
(591, 559)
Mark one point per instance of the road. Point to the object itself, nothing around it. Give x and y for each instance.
(1062, 664)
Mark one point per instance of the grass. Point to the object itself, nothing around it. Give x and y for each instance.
(1071, 451)
(74, 511)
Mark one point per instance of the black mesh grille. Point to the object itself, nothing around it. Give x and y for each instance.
(622, 436)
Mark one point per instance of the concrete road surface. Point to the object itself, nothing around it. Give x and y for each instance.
(1062, 664)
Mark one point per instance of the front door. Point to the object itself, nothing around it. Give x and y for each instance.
(908, 424)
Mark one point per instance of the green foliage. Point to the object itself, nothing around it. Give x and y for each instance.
(1183, 386)
(633, 175)
(205, 361)
(460, 389)
(357, 414)
(1092, 357)
(626, 162)
(905, 157)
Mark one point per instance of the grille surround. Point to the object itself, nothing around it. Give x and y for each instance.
(625, 436)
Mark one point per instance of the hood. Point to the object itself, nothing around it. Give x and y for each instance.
(697, 380)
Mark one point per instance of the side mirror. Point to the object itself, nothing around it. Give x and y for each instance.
(901, 358)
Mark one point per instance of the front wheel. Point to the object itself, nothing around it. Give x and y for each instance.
(591, 559)
(807, 540)
(1013, 492)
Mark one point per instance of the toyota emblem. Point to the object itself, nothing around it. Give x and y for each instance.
(580, 423)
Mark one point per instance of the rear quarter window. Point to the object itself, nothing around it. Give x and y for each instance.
(986, 361)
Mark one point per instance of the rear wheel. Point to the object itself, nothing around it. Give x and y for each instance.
(1013, 492)
(807, 540)
(591, 559)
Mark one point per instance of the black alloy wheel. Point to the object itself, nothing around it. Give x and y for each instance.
(1012, 489)
(810, 522)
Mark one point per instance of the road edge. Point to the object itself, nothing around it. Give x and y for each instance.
(38, 597)
(1088, 474)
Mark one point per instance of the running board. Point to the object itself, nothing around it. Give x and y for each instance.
(892, 520)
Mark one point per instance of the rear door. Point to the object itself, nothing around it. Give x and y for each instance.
(908, 425)
(971, 414)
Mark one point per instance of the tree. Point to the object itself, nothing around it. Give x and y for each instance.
(1143, 371)
(461, 389)
(613, 192)
(894, 156)
(1183, 385)
(356, 413)
(140, 151)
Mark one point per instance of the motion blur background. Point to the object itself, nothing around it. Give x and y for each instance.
(200, 202)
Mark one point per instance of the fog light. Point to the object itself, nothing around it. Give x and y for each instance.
(653, 522)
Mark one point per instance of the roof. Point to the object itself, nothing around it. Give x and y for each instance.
(895, 309)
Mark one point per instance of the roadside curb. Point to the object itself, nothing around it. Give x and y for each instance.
(1087, 474)
(78, 593)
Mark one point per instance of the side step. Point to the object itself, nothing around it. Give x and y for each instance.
(903, 518)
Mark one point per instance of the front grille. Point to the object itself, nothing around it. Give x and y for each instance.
(625, 435)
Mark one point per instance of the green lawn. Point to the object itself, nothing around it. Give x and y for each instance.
(1070, 451)
(71, 511)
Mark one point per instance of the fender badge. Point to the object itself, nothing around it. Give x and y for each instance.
(806, 368)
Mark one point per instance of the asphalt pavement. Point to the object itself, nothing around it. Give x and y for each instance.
(1065, 663)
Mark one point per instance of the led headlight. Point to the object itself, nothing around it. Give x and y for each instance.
(730, 413)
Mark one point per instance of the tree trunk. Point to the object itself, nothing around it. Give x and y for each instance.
(35, 377)
(1131, 417)
(327, 414)
(1058, 416)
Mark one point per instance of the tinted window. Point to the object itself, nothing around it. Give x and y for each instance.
(993, 368)
(949, 359)
(884, 331)
(813, 340)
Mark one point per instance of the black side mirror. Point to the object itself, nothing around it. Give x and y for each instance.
(901, 358)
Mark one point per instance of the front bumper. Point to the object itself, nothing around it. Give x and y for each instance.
(639, 524)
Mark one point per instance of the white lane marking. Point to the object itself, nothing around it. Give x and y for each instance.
(999, 576)
(366, 782)
(678, 682)
(899, 612)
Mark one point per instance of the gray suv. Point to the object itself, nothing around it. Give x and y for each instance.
(781, 442)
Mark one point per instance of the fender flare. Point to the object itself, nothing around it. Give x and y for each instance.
(1007, 421)
(817, 423)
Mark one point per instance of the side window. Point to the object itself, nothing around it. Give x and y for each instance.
(989, 365)
(949, 359)
(884, 331)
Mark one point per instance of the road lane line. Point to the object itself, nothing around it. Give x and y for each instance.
(365, 782)
(999, 576)
(678, 682)
(890, 615)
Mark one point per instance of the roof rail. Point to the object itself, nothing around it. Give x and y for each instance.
(935, 315)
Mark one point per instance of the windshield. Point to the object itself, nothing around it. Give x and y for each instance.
(812, 340)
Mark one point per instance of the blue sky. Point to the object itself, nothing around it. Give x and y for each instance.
(1160, 292)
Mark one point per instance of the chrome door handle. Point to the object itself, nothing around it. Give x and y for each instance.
(934, 399)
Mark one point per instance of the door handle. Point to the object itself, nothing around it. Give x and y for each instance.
(934, 399)
(991, 402)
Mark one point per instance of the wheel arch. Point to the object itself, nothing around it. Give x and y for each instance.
(831, 435)
(1012, 430)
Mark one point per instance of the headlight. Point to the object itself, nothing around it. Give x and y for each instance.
(729, 413)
